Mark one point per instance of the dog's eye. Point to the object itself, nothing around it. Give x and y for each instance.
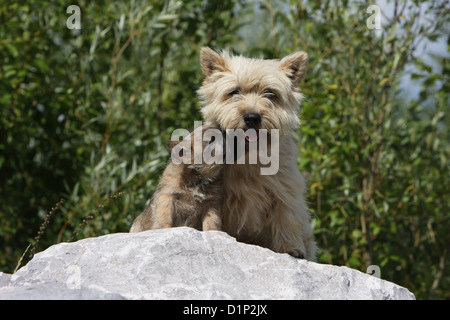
(268, 93)
(232, 93)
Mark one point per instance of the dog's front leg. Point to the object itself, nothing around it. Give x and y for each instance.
(288, 232)
(163, 215)
(295, 248)
(212, 220)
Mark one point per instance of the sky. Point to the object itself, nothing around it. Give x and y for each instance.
(426, 49)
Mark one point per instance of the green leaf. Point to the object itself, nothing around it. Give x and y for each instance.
(356, 234)
(12, 49)
(41, 65)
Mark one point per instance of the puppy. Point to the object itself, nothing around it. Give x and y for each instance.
(189, 193)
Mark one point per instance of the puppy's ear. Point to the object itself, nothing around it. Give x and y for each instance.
(294, 65)
(211, 61)
(171, 144)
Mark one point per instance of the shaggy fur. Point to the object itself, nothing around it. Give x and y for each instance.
(267, 210)
(187, 195)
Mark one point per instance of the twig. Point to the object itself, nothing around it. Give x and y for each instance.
(21, 258)
(44, 225)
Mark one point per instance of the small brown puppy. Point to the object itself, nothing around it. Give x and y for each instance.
(189, 193)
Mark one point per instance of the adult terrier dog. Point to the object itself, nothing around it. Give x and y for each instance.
(243, 93)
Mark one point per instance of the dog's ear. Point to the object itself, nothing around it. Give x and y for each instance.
(211, 61)
(294, 65)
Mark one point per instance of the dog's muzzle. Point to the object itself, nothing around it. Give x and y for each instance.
(252, 120)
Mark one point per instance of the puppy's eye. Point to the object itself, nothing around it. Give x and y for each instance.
(232, 93)
(268, 93)
(212, 139)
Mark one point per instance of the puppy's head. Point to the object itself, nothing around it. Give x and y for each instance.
(202, 151)
(243, 93)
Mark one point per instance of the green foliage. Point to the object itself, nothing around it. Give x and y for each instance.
(85, 115)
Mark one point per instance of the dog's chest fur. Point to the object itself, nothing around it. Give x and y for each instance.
(191, 200)
(196, 196)
(247, 201)
(251, 200)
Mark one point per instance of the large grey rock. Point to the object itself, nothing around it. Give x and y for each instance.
(183, 263)
(4, 279)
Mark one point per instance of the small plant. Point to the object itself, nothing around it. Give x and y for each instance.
(40, 233)
(79, 228)
(44, 225)
(94, 212)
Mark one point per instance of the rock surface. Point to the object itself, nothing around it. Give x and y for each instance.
(183, 263)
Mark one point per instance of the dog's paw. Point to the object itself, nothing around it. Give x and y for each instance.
(296, 254)
(295, 250)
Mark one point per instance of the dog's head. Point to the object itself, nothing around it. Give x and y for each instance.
(244, 93)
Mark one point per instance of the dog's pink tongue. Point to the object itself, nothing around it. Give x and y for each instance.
(251, 136)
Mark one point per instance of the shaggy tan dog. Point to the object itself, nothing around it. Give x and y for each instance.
(242, 93)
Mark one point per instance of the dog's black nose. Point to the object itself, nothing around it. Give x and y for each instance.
(252, 119)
